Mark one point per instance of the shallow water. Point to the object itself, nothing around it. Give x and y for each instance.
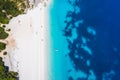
(85, 40)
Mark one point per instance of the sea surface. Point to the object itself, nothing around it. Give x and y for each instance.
(85, 40)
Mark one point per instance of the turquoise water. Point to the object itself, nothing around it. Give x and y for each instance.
(61, 66)
(59, 48)
(85, 43)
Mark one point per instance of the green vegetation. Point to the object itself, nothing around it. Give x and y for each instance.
(3, 33)
(5, 53)
(2, 46)
(10, 8)
(5, 74)
(8, 29)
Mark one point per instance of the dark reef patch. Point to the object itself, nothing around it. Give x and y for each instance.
(103, 16)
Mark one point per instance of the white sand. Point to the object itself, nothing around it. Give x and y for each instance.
(31, 33)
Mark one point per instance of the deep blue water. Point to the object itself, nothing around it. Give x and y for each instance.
(85, 40)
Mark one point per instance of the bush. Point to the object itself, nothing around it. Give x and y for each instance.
(2, 46)
(10, 8)
(5, 74)
(3, 34)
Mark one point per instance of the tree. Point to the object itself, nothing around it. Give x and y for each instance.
(5, 74)
(10, 8)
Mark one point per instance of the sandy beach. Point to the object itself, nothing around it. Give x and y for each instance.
(30, 36)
